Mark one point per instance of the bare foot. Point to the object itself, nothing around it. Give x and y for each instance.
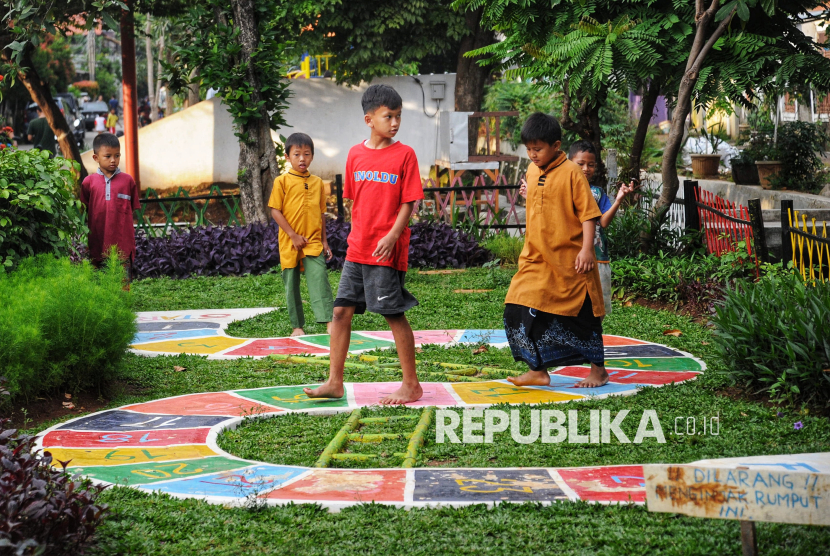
(530, 378)
(407, 393)
(596, 378)
(297, 332)
(325, 390)
(328, 328)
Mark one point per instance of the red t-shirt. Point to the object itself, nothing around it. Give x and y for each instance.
(110, 213)
(379, 181)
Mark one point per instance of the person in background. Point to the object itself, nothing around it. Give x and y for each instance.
(113, 104)
(40, 134)
(112, 121)
(100, 124)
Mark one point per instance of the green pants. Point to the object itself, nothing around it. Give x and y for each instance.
(319, 291)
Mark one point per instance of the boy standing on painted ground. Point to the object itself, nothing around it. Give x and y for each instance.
(383, 181)
(584, 155)
(110, 196)
(554, 308)
(298, 205)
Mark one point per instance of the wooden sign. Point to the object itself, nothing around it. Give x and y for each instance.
(772, 494)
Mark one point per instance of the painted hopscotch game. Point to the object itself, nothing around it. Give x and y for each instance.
(169, 445)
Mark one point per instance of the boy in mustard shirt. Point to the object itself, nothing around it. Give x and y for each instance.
(554, 307)
(298, 205)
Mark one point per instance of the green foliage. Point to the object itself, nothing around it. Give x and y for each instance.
(800, 145)
(62, 325)
(628, 227)
(505, 247)
(526, 98)
(776, 334)
(210, 40)
(38, 210)
(370, 39)
(658, 277)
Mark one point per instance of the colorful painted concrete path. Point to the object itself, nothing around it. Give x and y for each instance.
(169, 445)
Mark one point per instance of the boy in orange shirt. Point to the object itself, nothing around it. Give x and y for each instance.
(554, 307)
(383, 181)
(298, 205)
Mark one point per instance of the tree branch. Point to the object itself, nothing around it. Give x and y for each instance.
(711, 42)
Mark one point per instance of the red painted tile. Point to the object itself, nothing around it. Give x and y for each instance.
(143, 439)
(370, 393)
(621, 483)
(623, 376)
(620, 341)
(213, 403)
(283, 346)
(383, 485)
(422, 337)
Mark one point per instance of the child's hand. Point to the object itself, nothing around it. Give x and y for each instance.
(625, 190)
(585, 261)
(523, 188)
(327, 250)
(384, 249)
(299, 242)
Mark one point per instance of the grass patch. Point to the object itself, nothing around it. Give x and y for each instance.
(158, 524)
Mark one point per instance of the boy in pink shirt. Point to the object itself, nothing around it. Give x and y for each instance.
(383, 181)
(110, 196)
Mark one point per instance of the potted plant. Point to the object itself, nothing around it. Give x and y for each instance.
(767, 158)
(705, 166)
(799, 149)
(744, 170)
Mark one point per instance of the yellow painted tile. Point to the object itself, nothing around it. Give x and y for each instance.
(106, 456)
(499, 392)
(212, 344)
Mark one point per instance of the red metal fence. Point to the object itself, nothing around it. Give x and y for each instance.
(726, 225)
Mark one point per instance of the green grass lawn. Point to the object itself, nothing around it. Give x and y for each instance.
(158, 524)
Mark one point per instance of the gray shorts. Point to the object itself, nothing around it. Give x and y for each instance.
(605, 279)
(376, 288)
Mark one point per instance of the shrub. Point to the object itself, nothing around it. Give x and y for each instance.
(800, 145)
(87, 86)
(505, 247)
(438, 245)
(775, 333)
(659, 277)
(43, 510)
(62, 325)
(38, 209)
(253, 249)
(628, 227)
(209, 251)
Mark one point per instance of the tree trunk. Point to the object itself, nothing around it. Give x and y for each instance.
(649, 102)
(193, 88)
(154, 109)
(471, 77)
(703, 42)
(587, 127)
(40, 93)
(148, 49)
(257, 157)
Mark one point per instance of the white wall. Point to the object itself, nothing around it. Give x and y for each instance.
(191, 147)
(333, 117)
(197, 145)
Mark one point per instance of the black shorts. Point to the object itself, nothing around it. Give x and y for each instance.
(376, 288)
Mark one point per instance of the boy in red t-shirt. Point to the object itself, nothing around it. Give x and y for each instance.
(110, 196)
(383, 181)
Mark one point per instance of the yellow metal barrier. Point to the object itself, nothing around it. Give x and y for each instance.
(811, 249)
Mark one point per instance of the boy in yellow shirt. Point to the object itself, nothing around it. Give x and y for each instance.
(298, 205)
